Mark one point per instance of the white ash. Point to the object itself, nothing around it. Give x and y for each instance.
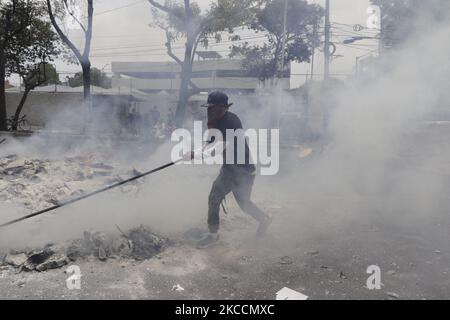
(36, 184)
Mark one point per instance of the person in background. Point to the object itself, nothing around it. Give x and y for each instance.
(171, 117)
(155, 115)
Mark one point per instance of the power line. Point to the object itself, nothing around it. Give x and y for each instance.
(358, 44)
(116, 36)
(118, 8)
(357, 48)
(143, 53)
(146, 35)
(318, 74)
(352, 25)
(180, 46)
(159, 48)
(156, 50)
(352, 33)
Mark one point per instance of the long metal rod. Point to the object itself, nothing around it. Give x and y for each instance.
(88, 194)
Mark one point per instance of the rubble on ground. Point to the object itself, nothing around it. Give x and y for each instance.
(45, 259)
(16, 260)
(144, 243)
(38, 260)
(37, 184)
(138, 244)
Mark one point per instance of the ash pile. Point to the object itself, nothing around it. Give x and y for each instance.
(36, 184)
(138, 244)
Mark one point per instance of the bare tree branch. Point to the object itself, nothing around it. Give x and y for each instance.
(88, 34)
(174, 57)
(194, 49)
(73, 16)
(166, 9)
(83, 58)
(64, 38)
(169, 47)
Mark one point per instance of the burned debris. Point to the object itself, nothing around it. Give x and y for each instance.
(38, 260)
(36, 184)
(138, 244)
(145, 244)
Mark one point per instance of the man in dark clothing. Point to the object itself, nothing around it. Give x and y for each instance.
(234, 177)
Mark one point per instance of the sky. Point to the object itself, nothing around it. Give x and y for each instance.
(122, 32)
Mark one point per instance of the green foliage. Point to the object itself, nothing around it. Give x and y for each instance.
(51, 75)
(185, 19)
(223, 15)
(262, 60)
(175, 22)
(98, 78)
(31, 42)
(43, 74)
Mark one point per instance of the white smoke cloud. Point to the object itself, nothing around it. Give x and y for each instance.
(373, 160)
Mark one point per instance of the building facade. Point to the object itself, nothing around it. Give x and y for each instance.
(220, 74)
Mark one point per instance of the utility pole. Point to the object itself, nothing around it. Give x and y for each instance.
(326, 50)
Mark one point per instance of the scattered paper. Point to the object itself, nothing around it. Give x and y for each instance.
(177, 287)
(289, 294)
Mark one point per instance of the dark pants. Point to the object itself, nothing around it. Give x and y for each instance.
(240, 182)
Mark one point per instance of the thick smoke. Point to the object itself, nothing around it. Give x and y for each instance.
(384, 158)
(372, 162)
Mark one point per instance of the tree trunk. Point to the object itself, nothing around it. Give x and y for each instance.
(3, 115)
(15, 123)
(87, 101)
(186, 74)
(86, 66)
(83, 58)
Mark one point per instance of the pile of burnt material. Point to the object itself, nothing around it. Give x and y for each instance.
(44, 259)
(138, 243)
(37, 184)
